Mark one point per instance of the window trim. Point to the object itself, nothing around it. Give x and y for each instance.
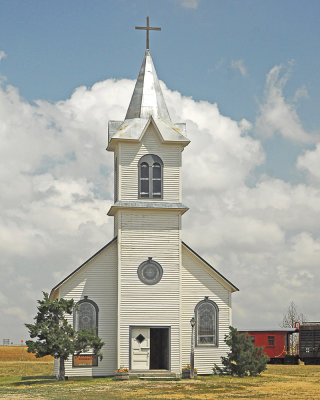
(75, 311)
(216, 309)
(156, 265)
(150, 160)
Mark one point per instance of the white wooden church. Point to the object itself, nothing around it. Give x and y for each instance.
(142, 288)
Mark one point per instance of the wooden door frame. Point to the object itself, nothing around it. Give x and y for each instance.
(149, 327)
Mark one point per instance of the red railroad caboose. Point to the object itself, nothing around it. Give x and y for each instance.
(276, 344)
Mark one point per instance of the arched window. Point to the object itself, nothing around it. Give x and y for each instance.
(207, 314)
(85, 315)
(150, 177)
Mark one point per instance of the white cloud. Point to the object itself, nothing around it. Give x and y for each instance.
(310, 162)
(277, 114)
(302, 92)
(239, 65)
(225, 164)
(17, 312)
(2, 55)
(189, 3)
(58, 182)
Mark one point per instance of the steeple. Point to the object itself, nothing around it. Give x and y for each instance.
(147, 98)
(147, 106)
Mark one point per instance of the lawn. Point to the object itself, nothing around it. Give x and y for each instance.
(278, 382)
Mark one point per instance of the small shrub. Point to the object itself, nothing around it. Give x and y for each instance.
(244, 358)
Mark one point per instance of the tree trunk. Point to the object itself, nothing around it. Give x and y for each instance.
(61, 375)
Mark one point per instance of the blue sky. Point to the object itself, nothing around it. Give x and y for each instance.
(249, 69)
(210, 50)
(53, 47)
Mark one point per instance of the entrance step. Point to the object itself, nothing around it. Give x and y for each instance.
(155, 375)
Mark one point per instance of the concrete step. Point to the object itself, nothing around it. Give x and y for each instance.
(154, 374)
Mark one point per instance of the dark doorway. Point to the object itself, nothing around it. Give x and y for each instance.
(159, 348)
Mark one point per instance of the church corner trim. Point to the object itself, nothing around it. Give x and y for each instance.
(53, 290)
(235, 289)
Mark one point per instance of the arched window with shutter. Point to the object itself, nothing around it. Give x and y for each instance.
(207, 316)
(86, 315)
(150, 177)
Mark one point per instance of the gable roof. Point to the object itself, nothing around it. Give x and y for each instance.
(81, 266)
(234, 288)
(134, 129)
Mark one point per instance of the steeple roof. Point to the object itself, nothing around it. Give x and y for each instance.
(147, 106)
(147, 99)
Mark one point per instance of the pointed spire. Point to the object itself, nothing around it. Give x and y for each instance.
(147, 98)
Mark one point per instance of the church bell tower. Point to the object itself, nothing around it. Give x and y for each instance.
(147, 211)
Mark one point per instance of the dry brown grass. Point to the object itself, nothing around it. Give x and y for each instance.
(18, 353)
(278, 382)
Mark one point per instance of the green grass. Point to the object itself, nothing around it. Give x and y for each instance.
(278, 382)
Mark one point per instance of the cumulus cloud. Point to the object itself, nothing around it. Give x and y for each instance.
(310, 162)
(224, 165)
(239, 65)
(277, 114)
(58, 185)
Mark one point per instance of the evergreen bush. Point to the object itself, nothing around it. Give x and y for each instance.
(244, 358)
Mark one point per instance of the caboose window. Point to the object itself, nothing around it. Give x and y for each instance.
(206, 313)
(270, 340)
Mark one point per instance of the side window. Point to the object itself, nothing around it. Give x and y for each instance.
(270, 340)
(150, 177)
(156, 181)
(85, 315)
(206, 313)
(144, 180)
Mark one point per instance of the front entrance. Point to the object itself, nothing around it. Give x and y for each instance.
(149, 348)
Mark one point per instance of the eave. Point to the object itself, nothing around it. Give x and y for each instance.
(133, 130)
(56, 288)
(231, 285)
(147, 205)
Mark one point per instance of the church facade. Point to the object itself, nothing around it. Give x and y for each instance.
(140, 290)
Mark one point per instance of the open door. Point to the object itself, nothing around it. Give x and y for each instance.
(159, 348)
(140, 348)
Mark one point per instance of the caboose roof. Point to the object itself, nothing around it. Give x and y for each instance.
(289, 330)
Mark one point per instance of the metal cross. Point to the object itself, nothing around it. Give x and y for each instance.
(148, 28)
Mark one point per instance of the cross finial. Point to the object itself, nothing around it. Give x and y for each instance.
(148, 28)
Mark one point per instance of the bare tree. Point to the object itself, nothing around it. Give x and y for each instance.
(291, 316)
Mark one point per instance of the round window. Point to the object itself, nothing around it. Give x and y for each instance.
(150, 272)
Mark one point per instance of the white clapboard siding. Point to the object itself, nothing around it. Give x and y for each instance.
(143, 234)
(98, 280)
(129, 155)
(198, 281)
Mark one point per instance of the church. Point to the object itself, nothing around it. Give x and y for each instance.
(140, 291)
